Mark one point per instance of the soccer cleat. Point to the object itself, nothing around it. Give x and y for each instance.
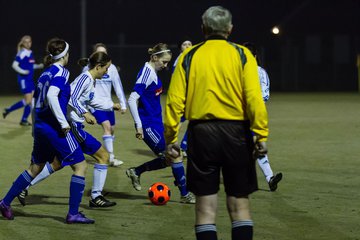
(21, 197)
(115, 162)
(135, 179)
(188, 198)
(6, 211)
(25, 123)
(101, 202)
(274, 180)
(78, 218)
(5, 113)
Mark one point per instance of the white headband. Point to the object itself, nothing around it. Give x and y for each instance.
(167, 50)
(63, 53)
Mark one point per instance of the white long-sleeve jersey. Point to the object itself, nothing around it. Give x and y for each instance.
(103, 88)
(82, 95)
(265, 83)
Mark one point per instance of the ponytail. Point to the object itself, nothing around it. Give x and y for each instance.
(82, 62)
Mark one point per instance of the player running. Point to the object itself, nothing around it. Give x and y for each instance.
(145, 108)
(52, 135)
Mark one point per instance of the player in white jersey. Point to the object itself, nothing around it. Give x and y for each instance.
(106, 116)
(263, 162)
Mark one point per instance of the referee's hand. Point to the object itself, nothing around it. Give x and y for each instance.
(173, 153)
(260, 149)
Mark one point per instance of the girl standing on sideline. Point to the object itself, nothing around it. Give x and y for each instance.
(52, 136)
(24, 65)
(105, 115)
(145, 108)
(82, 95)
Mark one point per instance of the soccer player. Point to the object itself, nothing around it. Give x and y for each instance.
(52, 135)
(106, 116)
(24, 64)
(263, 161)
(145, 108)
(82, 95)
(216, 85)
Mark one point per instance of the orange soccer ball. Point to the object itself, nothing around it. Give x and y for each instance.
(159, 193)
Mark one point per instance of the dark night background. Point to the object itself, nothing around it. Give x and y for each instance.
(316, 49)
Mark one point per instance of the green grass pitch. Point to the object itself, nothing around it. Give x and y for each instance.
(314, 141)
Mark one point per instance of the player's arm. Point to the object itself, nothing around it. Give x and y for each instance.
(175, 103)
(77, 88)
(38, 66)
(265, 84)
(53, 100)
(16, 66)
(133, 106)
(119, 91)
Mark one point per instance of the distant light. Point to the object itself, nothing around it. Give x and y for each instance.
(275, 30)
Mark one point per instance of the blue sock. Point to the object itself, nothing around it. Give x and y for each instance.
(77, 186)
(27, 110)
(16, 106)
(206, 232)
(180, 179)
(183, 144)
(155, 164)
(242, 230)
(23, 180)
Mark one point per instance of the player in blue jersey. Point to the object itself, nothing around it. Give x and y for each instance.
(52, 136)
(145, 108)
(82, 96)
(105, 114)
(24, 64)
(263, 161)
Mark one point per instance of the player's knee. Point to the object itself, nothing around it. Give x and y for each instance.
(104, 158)
(56, 165)
(177, 160)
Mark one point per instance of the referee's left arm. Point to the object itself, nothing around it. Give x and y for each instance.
(175, 103)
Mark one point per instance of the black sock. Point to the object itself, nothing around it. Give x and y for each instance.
(206, 232)
(155, 164)
(242, 230)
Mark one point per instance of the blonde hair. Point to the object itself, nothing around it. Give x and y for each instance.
(20, 45)
(159, 49)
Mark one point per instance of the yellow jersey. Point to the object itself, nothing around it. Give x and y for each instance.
(215, 79)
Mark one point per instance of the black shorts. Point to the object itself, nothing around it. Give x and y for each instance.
(220, 145)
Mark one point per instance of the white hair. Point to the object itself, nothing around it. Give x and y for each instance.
(217, 20)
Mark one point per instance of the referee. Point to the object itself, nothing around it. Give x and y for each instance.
(216, 85)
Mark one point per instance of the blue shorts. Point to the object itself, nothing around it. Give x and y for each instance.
(89, 145)
(102, 116)
(26, 85)
(154, 137)
(49, 142)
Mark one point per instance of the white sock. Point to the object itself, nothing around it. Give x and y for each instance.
(265, 167)
(109, 145)
(100, 172)
(47, 171)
